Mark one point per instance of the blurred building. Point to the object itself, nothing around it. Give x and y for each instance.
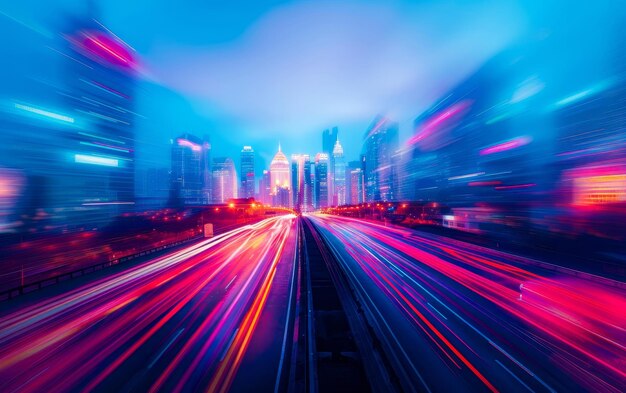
(153, 188)
(321, 180)
(379, 145)
(98, 87)
(281, 197)
(355, 192)
(487, 141)
(516, 149)
(224, 180)
(207, 171)
(265, 188)
(356, 187)
(247, 173)
(329, 137)
(302, 190)
(187, 178)
(339, 190)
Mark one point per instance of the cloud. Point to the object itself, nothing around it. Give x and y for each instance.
(307, 65)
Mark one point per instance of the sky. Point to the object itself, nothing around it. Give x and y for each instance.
(262, 72)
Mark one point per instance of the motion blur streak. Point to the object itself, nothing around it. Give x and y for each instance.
(512, 322)
(198, 306)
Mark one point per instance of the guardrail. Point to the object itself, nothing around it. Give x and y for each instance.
(371, 360)
(37, 285)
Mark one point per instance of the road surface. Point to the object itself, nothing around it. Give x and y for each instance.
(456, 317)
(204, 318)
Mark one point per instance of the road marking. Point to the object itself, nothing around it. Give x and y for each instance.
(166, 347)
(514, 376)
(433, 307)
(231, 281)
(229, 344)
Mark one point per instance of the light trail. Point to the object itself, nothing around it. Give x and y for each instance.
(180, 309)
(497, 315)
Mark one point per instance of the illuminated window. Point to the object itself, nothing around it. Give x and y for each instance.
(595, 190)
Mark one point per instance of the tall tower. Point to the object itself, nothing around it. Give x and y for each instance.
(265, 188)
(339, 190)
(354, 183)
(379, 145)
(246, 176)
(279, 177)
(321, 180)
(207, 170)
(302, 196)
(99, 89)
(329, 137)
(224, 179)
(186, 174)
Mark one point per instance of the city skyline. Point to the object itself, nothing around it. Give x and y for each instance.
(303, 181)
(189, 112)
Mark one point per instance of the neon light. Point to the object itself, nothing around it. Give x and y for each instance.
(584, 93)
(500, 117)
(506, 145)
(484, 183)
(466, 176)
(101, 137)
(433, 124)
(94, 160)
(527, 89)
(108, 50)
(107, 203)
(102, 45)
(574, 97)
(515, 186)
(187, 143)
(600, 189)
(42, 112)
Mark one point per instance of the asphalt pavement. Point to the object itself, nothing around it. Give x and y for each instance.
(454, 316)
(186, 321)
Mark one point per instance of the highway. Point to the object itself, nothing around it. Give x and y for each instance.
(220, 315)
(212, 316)
(453, 317)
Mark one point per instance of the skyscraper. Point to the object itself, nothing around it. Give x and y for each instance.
(279, 176)
(356, 186)
(207, 170)
(302, 196)
(98, 87)
(339, 189)
(321, 180)
(352, 165)
(379, 145)
(265, 188)
(329, 137)
(186, 174)
(224, 180)
(247, 173)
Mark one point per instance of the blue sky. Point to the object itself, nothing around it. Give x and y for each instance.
(260, 72)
